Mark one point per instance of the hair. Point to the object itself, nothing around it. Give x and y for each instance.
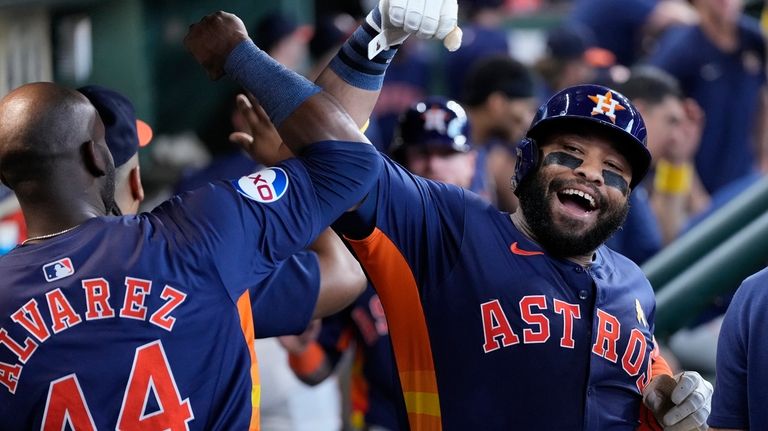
(650, 84)
(498, 73)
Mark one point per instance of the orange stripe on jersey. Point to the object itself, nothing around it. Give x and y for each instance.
(345, 339)
(399, 294)
(246, 323)
(659, 365)
(358, 390)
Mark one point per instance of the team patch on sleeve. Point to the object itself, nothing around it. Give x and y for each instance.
(267, 185)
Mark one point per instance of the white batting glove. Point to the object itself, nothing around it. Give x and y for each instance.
(688, 405)
(425, 18)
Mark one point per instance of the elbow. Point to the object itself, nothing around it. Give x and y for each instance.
(339, 290)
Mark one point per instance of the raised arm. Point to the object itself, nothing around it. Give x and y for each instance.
(354, 79)
(301, 111)
(341, 278)
(335, 167)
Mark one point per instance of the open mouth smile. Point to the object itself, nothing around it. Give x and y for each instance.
(578, 202)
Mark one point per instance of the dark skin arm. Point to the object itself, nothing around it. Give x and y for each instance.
(341, 278)
(319, 118)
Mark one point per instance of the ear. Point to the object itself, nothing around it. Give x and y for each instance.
(134, 179)
(94, 159)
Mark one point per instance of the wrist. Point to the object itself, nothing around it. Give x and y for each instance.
(352, 64)
(279, 90)
(673, 178)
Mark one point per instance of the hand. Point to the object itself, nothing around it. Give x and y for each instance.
(261, 141)
(212, 39)
(426, 18)
(297, 344)
(690, 130)
(680, 403)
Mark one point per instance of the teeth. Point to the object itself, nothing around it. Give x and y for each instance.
(586, 196)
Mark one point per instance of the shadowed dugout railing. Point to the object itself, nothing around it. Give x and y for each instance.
(711, 259)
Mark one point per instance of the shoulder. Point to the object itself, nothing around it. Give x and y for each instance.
(620, 268)
(753, 288)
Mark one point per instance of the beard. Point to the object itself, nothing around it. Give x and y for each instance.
(108, 191)
(562, 240)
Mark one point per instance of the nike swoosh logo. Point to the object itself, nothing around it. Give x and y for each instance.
(520, 252)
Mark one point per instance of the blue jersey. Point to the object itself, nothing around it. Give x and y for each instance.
(490, 332)
(742, 360)
(375, 389)
(727, 85)
(290, 292)
(145, 322)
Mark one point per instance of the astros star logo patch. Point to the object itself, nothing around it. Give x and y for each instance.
(434, 119)
(606, 105)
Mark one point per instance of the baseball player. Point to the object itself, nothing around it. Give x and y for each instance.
(320, 273)
(124, 134)
(742, 373)
(432, 140)
(143, 322)
(521, 321)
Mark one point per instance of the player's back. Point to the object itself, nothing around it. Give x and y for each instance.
(120, 324)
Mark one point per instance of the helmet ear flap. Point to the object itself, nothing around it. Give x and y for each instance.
(527, 161)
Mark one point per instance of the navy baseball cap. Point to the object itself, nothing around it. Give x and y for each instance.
(574, 41)
(276, 26)
(124, 132)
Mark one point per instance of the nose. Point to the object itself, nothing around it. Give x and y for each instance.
(591, 170)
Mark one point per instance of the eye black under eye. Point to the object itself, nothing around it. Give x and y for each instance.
(612, 179)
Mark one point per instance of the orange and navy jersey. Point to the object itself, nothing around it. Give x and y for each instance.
(146, 322)
(488, 330)
(375, 389)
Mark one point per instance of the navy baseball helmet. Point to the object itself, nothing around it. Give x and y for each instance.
(595, 105)
(435, 122)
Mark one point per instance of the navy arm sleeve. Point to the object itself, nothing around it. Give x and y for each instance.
(247, 227)
(286, 303)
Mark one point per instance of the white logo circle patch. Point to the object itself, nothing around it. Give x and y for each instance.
(267, 185)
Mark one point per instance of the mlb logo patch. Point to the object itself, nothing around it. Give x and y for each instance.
(58, 269)
(267, 185)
